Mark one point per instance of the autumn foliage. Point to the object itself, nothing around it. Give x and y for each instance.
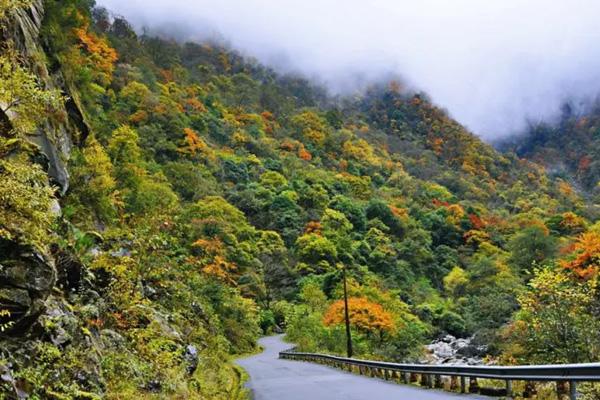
(214, 261)
(194, 143)
(364, 315)
(103, 56)
(585, 261)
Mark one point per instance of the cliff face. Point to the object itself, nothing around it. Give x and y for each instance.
(54, 139)
(27, 275)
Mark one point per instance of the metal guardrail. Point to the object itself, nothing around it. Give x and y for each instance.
(433, 375)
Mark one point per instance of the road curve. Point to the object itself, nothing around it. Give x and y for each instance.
(275, 379)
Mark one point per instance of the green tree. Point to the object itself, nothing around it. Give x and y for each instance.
(455, 282)
(317, 253)
(24, 103)
(531, 247)
(25, 209)
(558, 322)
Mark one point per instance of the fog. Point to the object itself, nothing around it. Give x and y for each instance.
(493, 64)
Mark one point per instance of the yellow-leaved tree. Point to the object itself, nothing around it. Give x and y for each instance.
(365, 315)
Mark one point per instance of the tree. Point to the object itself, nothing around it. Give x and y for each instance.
(531, 247)
(25, 209)
(365, 315)
(352, 210)
(101, 55)
(123, 147)
(24, 103)
(456, 281)
(557, 322)
(92, 181)
(273, 180)
(317, 253)
(380, 210)
(310, 127)
(278, 279)
(585, 257)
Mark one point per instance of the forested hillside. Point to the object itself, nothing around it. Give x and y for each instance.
(164, 204)
(568, 148)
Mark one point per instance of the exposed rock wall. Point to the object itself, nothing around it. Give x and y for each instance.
(27, 275)
(55, 139)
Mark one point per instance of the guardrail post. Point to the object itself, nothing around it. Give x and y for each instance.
(572, 390)
(463, 384)
(405, 377)
(561, 389)
(530, 390)
(473, 385)
(439, 383)
(413, 377)
(453, 383)
(509, 389)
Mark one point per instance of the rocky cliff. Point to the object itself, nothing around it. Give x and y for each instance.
(28, 274)
(54, 139)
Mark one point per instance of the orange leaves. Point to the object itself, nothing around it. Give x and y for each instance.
(215, 262)
(294, 145)
(439, 203)
(304, 154)
(401, 213)
(364, 315)
(138, 117)
(585, 261)
(195, 105)
(313, 227)
(212, 246)
(565, 189)
(269, 121)
(222, 269)
(166, 75)
(194, 143)
(436, 145)
(102, 55)
(288, 145)
(477, 222)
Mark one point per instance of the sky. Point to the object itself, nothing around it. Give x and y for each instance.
(495, 65)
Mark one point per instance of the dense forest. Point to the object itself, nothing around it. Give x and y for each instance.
(567, 148)
(165, 204)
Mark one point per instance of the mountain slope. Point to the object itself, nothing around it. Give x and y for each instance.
(202, 199)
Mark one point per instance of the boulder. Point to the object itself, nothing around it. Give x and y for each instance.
(26, 279)
(456, 351)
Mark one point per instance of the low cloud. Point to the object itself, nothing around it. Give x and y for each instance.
(492, 64)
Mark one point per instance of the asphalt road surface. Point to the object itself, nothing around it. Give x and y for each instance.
(275, 379)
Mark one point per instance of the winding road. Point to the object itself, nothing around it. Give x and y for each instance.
(275, 379)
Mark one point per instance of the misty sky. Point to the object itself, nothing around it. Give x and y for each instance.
(492, 64)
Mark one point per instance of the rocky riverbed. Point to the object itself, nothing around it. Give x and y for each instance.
(451, 350)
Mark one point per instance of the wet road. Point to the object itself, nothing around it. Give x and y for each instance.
(275, 379)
